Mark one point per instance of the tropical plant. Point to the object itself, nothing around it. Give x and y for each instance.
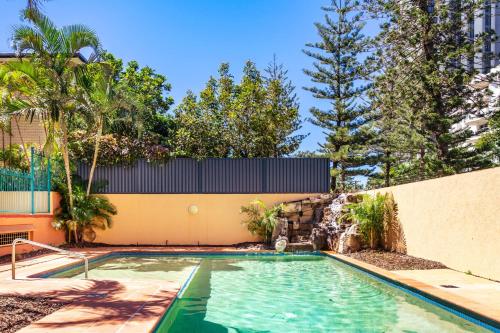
(261, 220)
(102, 97)
(87, 213)
(369, 213)
(13, 157)
(53, 72)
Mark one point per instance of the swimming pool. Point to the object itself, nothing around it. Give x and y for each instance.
(279, 293)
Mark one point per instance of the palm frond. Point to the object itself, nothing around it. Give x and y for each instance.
(77, 37)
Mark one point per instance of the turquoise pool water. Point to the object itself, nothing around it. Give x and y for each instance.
(299, 294)
(136, 267)
(269, 293)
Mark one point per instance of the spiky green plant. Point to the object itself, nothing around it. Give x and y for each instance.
(88, 212)
(369, 213)
(261, 220)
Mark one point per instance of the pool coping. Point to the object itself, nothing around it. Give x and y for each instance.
(477, 313)
(460, 306)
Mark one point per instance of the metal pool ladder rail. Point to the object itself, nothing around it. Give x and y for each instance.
(69, 253)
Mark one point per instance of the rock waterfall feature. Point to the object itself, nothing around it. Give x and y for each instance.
(318, 223)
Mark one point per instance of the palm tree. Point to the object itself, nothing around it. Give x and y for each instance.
(90, 212)
(52, 50)
(103, 96)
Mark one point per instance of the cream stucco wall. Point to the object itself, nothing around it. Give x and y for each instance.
(164, 218)
(454, 220)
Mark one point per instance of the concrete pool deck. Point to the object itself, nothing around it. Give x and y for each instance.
(134, 306)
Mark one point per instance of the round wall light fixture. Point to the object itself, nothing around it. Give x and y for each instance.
(193, 209)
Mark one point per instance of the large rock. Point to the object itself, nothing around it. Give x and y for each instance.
(281, 229)
(319, 238)
(350, 240)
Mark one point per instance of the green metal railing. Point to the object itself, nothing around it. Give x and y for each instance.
(26, 192)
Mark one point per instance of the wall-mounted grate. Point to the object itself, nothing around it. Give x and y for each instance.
(8, 238)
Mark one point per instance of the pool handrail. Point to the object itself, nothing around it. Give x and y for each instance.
(53, 248)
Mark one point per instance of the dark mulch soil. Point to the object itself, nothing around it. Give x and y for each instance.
(253, 246)
(394, 261)
(21, 256)
(17, 312)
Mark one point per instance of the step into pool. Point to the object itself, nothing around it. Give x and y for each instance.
(281, 293)
(135, 267)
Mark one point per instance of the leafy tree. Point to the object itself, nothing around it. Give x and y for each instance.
(248, 122)
(150, 115)
(255, 118)
(283, 108)
(133, 106)
(102, 96)
(52, 74)
(341, 76)
(199, 131)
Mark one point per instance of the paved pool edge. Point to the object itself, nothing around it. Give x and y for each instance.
(462, 307)
(476, 311)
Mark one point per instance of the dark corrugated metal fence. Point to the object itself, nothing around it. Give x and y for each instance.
(216, 175)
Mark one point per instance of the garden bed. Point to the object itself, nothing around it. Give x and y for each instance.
(20, 311)
(394, 261)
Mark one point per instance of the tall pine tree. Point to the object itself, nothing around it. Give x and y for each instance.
(428, 43)
(340, 74)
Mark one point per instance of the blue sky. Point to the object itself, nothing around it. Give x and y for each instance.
(186, 40)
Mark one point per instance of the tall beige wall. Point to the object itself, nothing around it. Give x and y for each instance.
(454, 220)
(164, 218)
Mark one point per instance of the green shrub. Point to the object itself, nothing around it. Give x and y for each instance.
(89, 212)
(261, 220)
(369, 213)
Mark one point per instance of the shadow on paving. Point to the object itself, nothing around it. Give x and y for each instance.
(101, 302)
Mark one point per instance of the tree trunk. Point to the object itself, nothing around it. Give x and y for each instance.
(67, 167)
(421, 169)
(25, 149)
(333, 177)
(96, 153)
(372, 238)
(387, 169)
(3, 147)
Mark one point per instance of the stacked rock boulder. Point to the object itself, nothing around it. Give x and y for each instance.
(319, 223)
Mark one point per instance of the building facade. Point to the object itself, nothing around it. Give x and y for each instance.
(487, 21)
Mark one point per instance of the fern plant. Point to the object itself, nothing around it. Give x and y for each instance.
(261, 220)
